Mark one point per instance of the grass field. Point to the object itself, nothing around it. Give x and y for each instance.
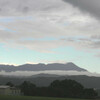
(33, 98)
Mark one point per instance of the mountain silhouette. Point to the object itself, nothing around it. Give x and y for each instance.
(42, 67)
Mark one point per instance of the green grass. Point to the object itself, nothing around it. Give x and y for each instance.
(32, 98)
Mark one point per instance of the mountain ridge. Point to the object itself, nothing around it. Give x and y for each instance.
(42, 67)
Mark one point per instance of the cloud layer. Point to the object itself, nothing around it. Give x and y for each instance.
(43, 25)
(54, 72)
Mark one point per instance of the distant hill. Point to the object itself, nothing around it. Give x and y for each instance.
(45, 80)
(45, 75)
(41, 67)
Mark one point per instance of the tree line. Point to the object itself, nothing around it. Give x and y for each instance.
(64, 88)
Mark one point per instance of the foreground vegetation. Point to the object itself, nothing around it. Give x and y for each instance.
(58, 88)
(61, 89)
(33, 98)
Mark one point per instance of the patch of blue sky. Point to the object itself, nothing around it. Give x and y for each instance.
(9, 30)
(12, 19)
(7, 19)
(21, 56)
(1, 45)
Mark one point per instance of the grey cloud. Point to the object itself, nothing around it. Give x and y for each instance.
(89, 6)
(20, 7)
(55, 72)
(48, 19)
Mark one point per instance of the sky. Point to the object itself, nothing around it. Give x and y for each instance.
(50, 31)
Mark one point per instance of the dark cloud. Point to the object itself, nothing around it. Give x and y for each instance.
(90, 6)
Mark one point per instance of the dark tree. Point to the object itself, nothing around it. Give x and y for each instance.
(10, 84)
(28, 88)
(66, 88)
(89, 93)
